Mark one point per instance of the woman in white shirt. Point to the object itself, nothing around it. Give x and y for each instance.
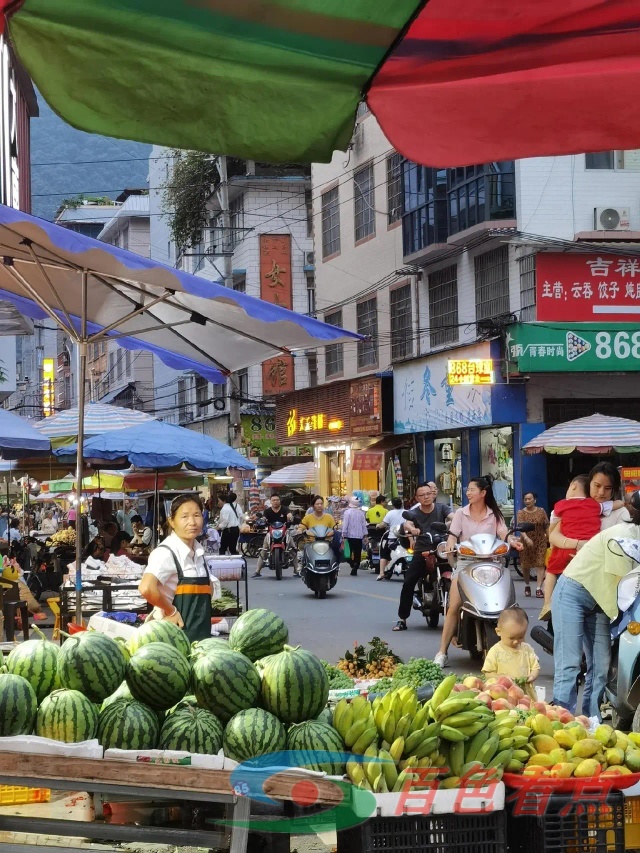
(229, 523)
(49, 524)
(176, 581)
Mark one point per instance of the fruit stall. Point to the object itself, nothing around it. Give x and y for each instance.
(405, 756)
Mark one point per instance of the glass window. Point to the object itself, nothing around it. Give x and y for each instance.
(401, 322)
(202, 395)
(443, 306)
(243, 384)
(120, 363)
(527, 288)
(334, 353)
(330, 223)
(492, 283)
(240, 283)
(219, 392)
(308, 204)
(394, 188)
(364, 203)
(127, 361)
(367, 324)
(628, 160)
(112, 366)
(236, 221)
(311, 294)
(424, 218)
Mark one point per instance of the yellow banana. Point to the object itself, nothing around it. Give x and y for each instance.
(397, 748)
(402, 781)
(343, 717)
(372, 770)
(389, 726)
(361, 707)
(355, 772)
(365, 740)
(402, 726)
(452, 734)
(464, 718)
(442, 692)
(351, 736)
(419, 720)
(389, 769)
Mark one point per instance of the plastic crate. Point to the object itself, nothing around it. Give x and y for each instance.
(11, 795)
(632, 823)
(442, 833)
(562, 824)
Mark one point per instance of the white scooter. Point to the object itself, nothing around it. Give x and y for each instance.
(401, 555)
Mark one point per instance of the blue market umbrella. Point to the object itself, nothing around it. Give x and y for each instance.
(18, 438)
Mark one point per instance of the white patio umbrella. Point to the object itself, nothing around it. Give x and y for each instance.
(93, 291)
(302, 474)
(595, 434)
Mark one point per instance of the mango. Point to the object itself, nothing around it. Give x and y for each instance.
(586, 748)
(622, 741)
(556, 725)
(634, 737)
(562, 770)
(577, 730)
(535, 770)
(558, 755)
(614, 755)
(541, 759)
(586, 768)
(544, 743)
(564, 738)
(632, 760)
(606, 735)
(541, 725)
(616, 770)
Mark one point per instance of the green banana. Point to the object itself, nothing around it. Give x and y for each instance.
(365, 740)
(378, 717)
(402, 726)
(453, 706)
(419, 719)
(389, 726)
(388, 768)
(474, 745)
(442, 692)
(355, 772)
(501, 759)
(451, 734)
(401, 780)
(519, 741)
(473, 729)
(470, 768)
(488, 750)
(372, 770)
(515, 766)
(351, 736)
(506, 743)
(456, 758)
(371, 751)
(397, 748)
(343, 717)
(413, 741)
(521, 755)
(464, 718)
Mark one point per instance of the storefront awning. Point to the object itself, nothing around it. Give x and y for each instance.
(372, 458)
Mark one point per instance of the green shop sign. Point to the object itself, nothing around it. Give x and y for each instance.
(572, 347)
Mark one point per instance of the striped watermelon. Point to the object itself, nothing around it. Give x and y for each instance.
(122, 692)
(67, 715)
(35, 660)
(225, 682)
(325, 717)
(295, 686)
(159, 631)
(201, 647)
(310, 740)
(252, 733)
(192, 729)
(188, 701)
(258, 633)
(18, 705)
(127, 724)
(92, 663)
(158, 675)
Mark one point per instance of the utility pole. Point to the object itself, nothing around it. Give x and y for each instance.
(235, 429)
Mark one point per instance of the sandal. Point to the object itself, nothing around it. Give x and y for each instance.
(455, 642)
(539, 593)
(400, 625)
(527, 591)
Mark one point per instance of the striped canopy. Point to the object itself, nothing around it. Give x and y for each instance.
(280, 80)
(303, 474)
(98, 418)
(596, 434)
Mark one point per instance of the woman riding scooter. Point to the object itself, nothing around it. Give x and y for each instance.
(481, 515)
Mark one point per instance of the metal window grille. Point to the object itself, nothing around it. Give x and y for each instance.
(308, 204)
(394, 188)
(182, 403)
(219, 392)
(243, 384)
(628, 160)
(364, 203)
(236, 220)
(120, 364)
(492, 283)
(311, 295)
(127, 361)
(443, 306)
(334, 353)
(367, 323)
(527, 288)
(330, 223)
(401, 322)
(202, 395)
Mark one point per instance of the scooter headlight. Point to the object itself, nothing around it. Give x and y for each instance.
(486, 575)
(321, 547)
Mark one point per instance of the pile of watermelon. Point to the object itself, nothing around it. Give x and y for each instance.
(250, 696)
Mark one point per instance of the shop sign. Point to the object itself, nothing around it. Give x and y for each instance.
(470, 371)
(365, 412)
(259, 435)
(363, 461)
(576, 348)
(48, 391)
(275, 269)
(630, 473)
(424, 400)
(298, 424)
(278, 376)
(594, 287)
(314, 414)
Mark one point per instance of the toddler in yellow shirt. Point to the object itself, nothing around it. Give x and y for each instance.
(512, 656)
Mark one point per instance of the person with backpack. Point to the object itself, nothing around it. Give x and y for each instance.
(229, 522)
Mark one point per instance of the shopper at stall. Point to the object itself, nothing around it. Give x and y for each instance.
(229, 522)
(141, 535)
(176, 580)
(49, 525)
(354, 533)
(481, 515)
(584, 603)
(535, 545)
(120, 544)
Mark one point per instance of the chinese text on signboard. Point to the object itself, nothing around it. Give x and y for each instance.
(47, 387)
(580, 347)
(470, 371)
(311, 423)
(580, 287)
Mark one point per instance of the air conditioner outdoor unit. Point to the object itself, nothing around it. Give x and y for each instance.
(611, 219)
(309, 259)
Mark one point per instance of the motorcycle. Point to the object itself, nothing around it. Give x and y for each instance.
(250, 544)
(320, 565)
(485, 587)
(374, 536)
(432, 592)
(401, 555)
(278, 556)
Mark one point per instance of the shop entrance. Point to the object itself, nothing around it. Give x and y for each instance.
(334, 472)
(448, 468)
(496, 458)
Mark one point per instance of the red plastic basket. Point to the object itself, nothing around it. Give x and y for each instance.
(545, 784)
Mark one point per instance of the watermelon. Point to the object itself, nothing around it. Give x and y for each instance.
(122, 692)
(92, 663)
(252, 733)
(210, 644)
(325, 717)
(35, 660)
(310, 740)
(188, 701)
(127, 724)
(159, 631)
(225, 682)
(192, 729)
(295, 686)
(158, 675)
(258, 633)
(67, 715)
(18, 705)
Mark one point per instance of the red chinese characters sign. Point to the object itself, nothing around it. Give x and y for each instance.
(278, 375)
(587, 287)
(363, 461)
(275, 269)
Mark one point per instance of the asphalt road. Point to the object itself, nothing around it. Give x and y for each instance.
(359, 608)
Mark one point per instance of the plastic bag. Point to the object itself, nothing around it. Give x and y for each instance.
(346, 549)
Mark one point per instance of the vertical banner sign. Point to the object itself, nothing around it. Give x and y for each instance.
(275, 269)
(47, 387)
(278, 375)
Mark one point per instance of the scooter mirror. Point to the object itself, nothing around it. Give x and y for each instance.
(438, 527)
(525, 527)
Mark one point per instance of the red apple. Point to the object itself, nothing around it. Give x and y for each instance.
(553, 714)
(515, 693)
(473, 683)
(484, 697)
(497, 691)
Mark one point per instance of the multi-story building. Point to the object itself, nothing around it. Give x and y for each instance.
(527, 302)
(362, 283)
(259, 244)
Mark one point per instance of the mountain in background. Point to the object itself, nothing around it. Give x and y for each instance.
(66, 162)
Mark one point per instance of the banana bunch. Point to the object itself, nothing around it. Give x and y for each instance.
(354, 722)
(460, 715)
